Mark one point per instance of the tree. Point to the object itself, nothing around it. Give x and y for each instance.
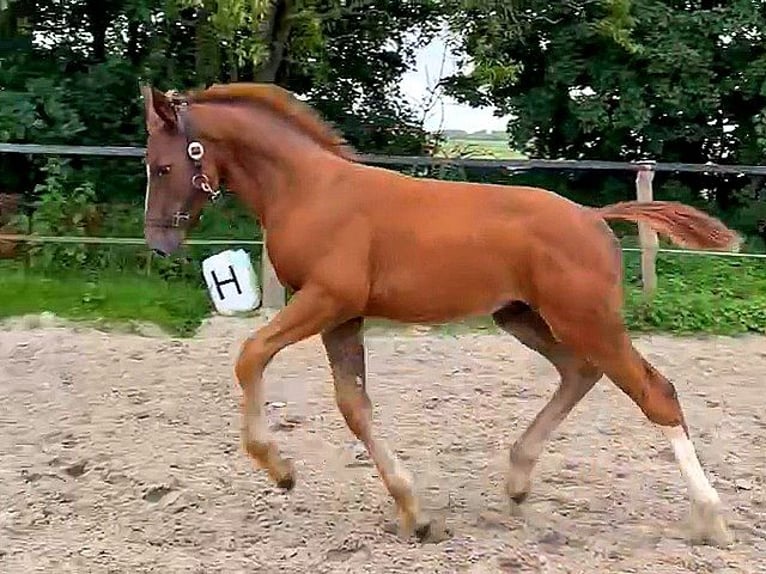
(346, 58)
(621, 79)
(70, 70)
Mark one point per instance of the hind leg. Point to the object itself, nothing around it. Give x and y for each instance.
(598, 332)
(657, 398)
(577, 378)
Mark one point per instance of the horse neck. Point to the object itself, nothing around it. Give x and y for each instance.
(262, 158)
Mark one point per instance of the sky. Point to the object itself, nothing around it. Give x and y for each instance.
(431, 64)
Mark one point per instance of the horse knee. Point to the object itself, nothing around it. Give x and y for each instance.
(253, 357)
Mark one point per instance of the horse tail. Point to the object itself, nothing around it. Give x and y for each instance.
(682, 224)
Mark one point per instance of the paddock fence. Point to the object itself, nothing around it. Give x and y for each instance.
(273, 293)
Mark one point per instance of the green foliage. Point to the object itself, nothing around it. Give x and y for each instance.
(700, 294)
(353, 57)
(70, 70)
(63, 209)
(624, 79)
(220, 37)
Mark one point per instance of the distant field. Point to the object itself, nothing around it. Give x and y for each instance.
(485, 149)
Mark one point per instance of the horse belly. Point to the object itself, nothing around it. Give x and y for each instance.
(443, 287)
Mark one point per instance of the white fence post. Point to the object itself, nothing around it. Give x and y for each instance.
(647, 236)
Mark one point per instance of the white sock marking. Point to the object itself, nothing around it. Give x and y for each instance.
(255, 417)
(700, 488)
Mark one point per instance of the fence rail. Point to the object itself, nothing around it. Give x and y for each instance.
(511, 164)
(80, 240)
(274, 293)
(94, 240)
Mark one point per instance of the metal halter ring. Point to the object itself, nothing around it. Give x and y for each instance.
(201, 181)
(195, 151)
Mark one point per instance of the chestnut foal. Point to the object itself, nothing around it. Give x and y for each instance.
(356, 241)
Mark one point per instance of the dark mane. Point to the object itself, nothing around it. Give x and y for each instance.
(283, 103)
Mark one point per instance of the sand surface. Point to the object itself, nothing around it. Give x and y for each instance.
(119, 453)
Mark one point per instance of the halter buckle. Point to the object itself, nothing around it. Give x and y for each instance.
(195, 150)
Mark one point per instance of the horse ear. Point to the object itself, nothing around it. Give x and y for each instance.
(159, 111)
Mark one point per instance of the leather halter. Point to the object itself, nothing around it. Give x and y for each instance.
(195, 151)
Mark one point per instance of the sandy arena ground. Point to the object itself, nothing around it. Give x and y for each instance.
(119, 453)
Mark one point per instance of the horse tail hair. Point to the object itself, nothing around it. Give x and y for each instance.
(684, 225)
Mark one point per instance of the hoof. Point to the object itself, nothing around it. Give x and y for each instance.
(518, 486)
(427, 532)
(708, 526)
(519, 497)
(286, 483)
(284, 475)
(432, 531)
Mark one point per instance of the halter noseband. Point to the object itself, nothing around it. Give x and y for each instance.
(195, 151)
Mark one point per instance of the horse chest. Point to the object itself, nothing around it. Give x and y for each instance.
(319, 247)
(291, 254)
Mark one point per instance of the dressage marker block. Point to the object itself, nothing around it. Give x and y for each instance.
(231, 282)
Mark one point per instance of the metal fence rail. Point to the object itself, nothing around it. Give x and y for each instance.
(93, 240)
(510, 164)
(81, 240)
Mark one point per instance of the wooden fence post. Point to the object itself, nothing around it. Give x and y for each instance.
(273, 292)
(647, 237)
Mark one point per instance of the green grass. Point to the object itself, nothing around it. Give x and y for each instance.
(695, 295)
(109, 299)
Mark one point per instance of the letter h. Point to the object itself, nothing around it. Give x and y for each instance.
(219, 284)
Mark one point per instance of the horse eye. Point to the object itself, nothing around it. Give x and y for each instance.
(163, 170)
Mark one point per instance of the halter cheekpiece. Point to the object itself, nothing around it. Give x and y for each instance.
(195, 151)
